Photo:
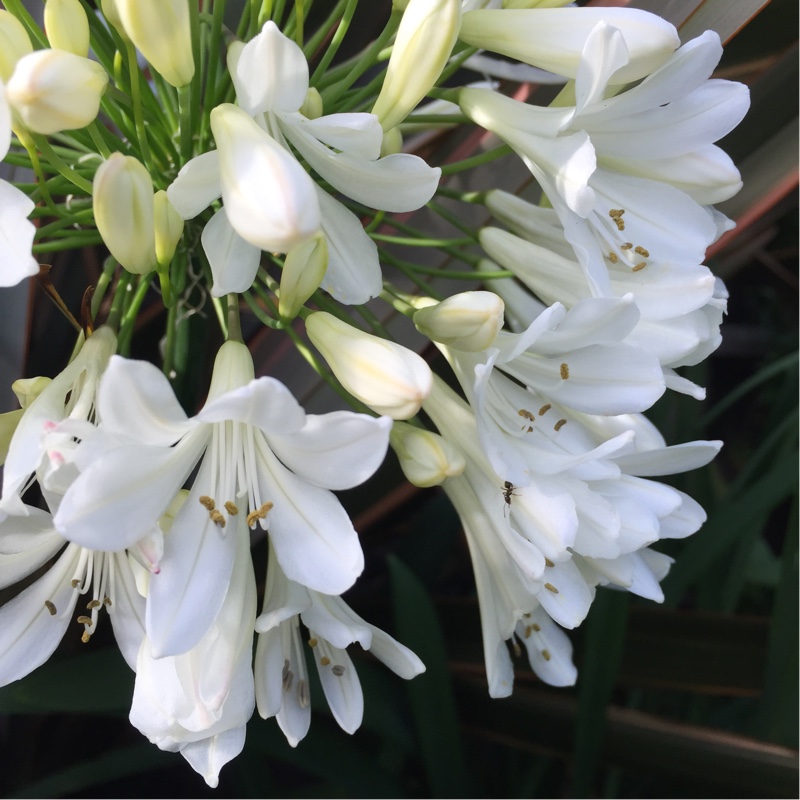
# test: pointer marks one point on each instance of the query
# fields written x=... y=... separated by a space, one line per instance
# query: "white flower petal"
x=396 y=656
x=196 y=186
x=128 y=612
x=357 y=134
x=338 y=450
x=354 y=272
x=29 y=632
x=398 y=182
x=271 y=72
x=569 y=603
x=669 y=460
x=16 y=236
x=210 y=755
x=549 y=649
x=342 y=691
x=233 y=261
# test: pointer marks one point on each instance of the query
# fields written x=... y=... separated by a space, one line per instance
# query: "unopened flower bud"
x=160 y=29
x=426 y=458
x=109 y=9
x=67 y=26
x=14 y=43
x=468 y=321
x=424 y=41
x=168 y=225
x=53 y=90
x=312 y=107
x=26 y=390
x=388 y=377
x=303 y=271
x=270 y=200
x=124 y=212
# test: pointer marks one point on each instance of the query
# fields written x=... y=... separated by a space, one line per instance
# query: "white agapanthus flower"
x=542 y=548
x=681 y=304
x=33 y=623
x=198 y=703
x=270 y=73
x=575 y=358
x=281 y=672
x=612 y=213
x=251 y=438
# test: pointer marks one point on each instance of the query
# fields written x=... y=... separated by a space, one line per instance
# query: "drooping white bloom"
x=271 y=78
x=281 y=673
x=198 y=703
x=250 y=437
x=466 y=321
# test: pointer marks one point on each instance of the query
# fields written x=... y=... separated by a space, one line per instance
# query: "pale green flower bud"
x=468 y=321
x=67 y=26
x=386 y=376
x=426 y=458
x=14 y=43
x=124 y=212
x=168 y=227
x=160 y=29
x=53 y=90
x=424 y=41
x=26 y=390
x=392 y=142
x=109 y=9
x=303 y=271
x=312 y=106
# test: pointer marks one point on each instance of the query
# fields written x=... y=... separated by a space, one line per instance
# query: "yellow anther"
x=613 y=258
x=620 y=224
x=217 y=518
x=312 y=642
x=551 y=588
x=530 y=428
x=548 y=563
x=559 y=425
x=84 y=620
x=626 y=246
x=640 y=265
x=517 y=648
x=260 y=513
x=287 y=680
x=92 y=604
x=324 y=661
x=85 y=636
x=207 y=502
x=641 y=251
x=51 y=607
x=546 y=655
x=337 y=670
x=523 y=412
x=528 y=631
x=616 y=213
x=231 y=508
x=107 y=601
x=564 y=372
x=536 y=626
x=544 y=409
x=75 y=583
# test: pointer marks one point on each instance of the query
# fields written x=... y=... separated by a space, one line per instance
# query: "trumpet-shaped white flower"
x=576 y=358
x=34 y=622
x=198 y=703
x=251 y=437
x=271 y=78
x=281 y=672
x=680 y=303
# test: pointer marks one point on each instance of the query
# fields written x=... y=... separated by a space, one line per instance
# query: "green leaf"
x=430 y=694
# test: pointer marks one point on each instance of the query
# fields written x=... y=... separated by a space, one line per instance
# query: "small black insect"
x=508 y=492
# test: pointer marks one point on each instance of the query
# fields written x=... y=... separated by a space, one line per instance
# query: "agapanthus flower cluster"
x=253 y=173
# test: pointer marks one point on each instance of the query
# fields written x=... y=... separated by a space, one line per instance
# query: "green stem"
x=103 y=282
x=98 y=140
x=185 y=102
x=131 y=312
x=477 y=161
x=136 y=97
x=340 y=16
x=60 y=166
x=30 y=147
x=234 y=319
x=118 y=303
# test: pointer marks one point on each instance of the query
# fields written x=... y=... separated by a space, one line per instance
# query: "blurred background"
x=697 y=697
